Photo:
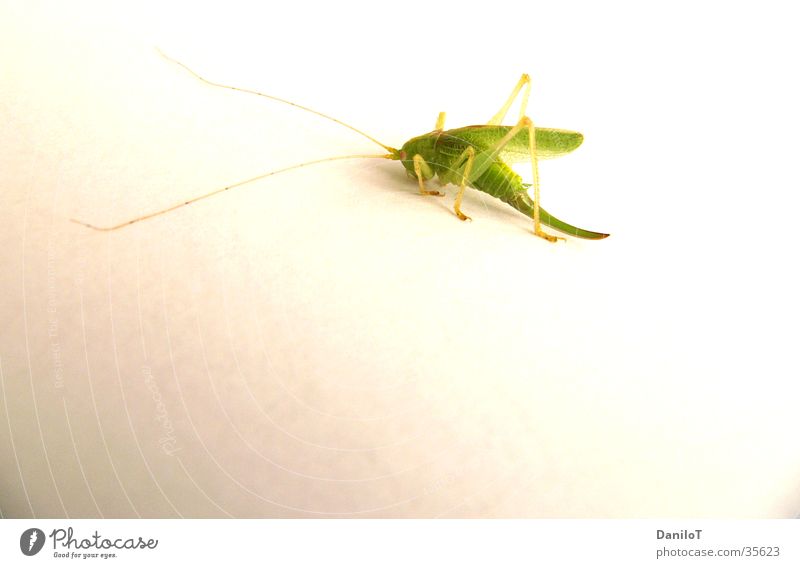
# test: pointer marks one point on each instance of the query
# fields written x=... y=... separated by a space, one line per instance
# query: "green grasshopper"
x=471 y=156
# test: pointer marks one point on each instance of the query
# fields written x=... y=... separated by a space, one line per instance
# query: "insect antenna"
x=278 y=99
x=226 y=188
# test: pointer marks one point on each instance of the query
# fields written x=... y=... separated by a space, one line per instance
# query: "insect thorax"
x=424 y=146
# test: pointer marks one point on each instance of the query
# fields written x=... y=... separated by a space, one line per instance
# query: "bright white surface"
x=329 y=343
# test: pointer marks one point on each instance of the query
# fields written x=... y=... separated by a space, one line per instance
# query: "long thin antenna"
x=271 y=97
x=226 y=188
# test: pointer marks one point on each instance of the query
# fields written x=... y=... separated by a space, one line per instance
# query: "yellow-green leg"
x=423 y=171
x=469 y=156
x=524 y=81
x=440 y=121
x=525 y=122
x=537 y=224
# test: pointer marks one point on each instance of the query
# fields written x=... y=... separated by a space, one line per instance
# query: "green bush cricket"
x=472 y=156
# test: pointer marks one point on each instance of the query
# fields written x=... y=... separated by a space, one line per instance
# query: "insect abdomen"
x=501 y=182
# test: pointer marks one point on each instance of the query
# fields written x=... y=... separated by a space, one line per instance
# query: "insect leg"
x=469 y=155
x=440 y=120
x=423 y=170
x=537 y=224
x=524 y=81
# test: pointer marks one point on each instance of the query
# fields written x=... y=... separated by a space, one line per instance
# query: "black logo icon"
x=31 y=541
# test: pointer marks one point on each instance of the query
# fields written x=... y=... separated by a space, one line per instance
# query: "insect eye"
x=402 y=155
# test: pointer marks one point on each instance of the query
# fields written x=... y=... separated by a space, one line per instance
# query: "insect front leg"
x=524 y=81
x=423 y=171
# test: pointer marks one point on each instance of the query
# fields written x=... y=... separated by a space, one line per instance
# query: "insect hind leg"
x=524 y=81
x=537 y=223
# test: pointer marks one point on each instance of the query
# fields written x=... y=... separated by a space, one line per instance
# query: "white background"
x=329 y=343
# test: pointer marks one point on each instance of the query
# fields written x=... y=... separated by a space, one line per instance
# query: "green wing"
x=550 y=142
